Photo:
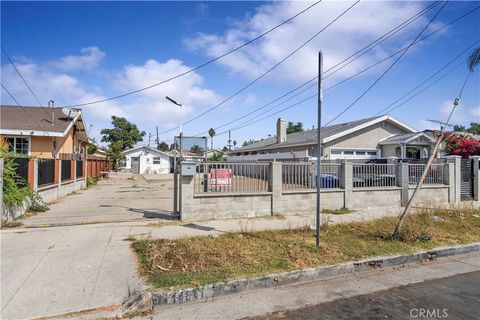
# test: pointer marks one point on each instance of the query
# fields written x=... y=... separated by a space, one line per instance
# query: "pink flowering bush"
x=462 y=145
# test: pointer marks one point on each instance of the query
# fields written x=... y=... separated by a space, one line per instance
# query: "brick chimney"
x=281 y=130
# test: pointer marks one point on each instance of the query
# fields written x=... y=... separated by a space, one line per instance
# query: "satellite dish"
x=70 y=113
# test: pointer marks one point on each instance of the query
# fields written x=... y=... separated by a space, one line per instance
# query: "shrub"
x=36 y=203
x=464 y=145
x=15 y=190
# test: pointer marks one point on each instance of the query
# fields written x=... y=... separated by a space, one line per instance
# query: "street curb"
x=218 y=289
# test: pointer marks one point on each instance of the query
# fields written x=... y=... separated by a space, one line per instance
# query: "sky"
x=80 y=52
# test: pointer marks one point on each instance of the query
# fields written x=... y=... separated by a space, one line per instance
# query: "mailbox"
x=188 y=168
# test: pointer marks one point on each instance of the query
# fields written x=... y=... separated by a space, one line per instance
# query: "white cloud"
x=462 y=115
x=147 y=108
x=90 y=58
x=361 y=25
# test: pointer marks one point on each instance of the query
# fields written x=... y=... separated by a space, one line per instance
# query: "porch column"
x=404 y=151
x=456 y=160
x=476 y=177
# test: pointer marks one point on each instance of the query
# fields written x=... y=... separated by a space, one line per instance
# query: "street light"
x=181 y=112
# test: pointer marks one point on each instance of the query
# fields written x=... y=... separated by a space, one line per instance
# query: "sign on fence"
x=221 y=177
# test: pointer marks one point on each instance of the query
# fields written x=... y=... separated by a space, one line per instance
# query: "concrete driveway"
x=136 y=199
x=75 y=256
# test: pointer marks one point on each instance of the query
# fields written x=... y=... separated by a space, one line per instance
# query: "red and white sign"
x=221 y=177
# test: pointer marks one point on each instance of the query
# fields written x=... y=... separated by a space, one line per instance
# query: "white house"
x=145 y=159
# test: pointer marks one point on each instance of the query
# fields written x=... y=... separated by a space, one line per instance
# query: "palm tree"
x=211 y=133
x=474 y=59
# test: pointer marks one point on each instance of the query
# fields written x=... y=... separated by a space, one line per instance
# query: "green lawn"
x=197 y=261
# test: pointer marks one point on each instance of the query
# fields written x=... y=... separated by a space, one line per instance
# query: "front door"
x=136 y=165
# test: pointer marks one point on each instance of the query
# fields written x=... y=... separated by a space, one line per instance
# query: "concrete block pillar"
x=402 y=181
x=275 y=186
x=456 y=160
x=449 y=179
x=1 y=187
x=476 y=177
x=33 y=174
x=392 y=160
x=346 y=183
x=185 y=196
x=73 y=169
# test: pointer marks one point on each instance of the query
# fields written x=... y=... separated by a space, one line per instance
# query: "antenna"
x=441 y=123
x=69 y=113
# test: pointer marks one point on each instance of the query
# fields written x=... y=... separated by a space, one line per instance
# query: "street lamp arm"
x=173 y=101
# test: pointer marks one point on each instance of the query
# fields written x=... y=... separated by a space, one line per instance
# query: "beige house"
x=371 y=138
x=46 y=133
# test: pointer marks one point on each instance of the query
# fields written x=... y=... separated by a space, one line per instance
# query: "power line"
x=429 y=78
x=201 y=65
x=376 y=42
x=266 y=72
x=11 y=96
x=388 y=69
x=24 y=81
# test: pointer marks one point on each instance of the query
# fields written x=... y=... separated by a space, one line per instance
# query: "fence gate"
x=466 y=180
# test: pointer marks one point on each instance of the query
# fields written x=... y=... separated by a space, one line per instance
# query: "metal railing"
x=46 y=172
x=231 y=177
x=66 y=169
x=298 y=176
x=434 y=176
x=373 y=175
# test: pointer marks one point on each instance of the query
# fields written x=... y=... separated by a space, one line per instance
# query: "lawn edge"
x=148 y=298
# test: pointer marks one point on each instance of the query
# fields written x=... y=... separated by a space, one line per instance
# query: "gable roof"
x=406 y=138
x=147 y=148
x=35 y=121
x=328 y=133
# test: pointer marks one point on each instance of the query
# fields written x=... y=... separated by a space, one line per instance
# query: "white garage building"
x=145 y=159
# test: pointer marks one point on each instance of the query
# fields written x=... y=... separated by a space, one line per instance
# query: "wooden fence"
x=96 y=165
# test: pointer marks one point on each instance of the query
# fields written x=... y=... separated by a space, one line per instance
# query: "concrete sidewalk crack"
x=33 y=270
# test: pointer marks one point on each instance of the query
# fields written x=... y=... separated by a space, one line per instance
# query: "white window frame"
x=15 y=143
x=159 y=160
x=358 y=153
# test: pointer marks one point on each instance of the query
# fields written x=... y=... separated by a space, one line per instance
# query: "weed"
x=12 y=224
x=337 y=211
x=130 y=238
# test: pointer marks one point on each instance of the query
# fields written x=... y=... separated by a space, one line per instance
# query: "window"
x=18 y=145
x=360 y=153
x=156 y=160
x=348 y=152
x=336 y=152
x=372 y=153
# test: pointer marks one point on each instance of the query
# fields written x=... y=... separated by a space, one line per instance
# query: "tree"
x=474 y=59
x=196 y=149
x=115 y=154
x=294 y=127
x=234 y=144
x=464 y=145
x=225 y=149
x=474 y=128
x=211 y=133
x=92 y=148
x=216 y=156
x=246 y=143
x=163 y=146
x=123 y=132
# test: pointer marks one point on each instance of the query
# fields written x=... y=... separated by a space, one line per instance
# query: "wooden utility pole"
x=158 y=140
x=440 y=137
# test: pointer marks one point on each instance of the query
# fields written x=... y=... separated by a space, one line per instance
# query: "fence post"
x=73 y=170
x=449 y=179
x=186 y=208
x=456 y=160
x=402 y=181
x=275 y=187
x=346 y=183
x=33 y=174
x=476 y=179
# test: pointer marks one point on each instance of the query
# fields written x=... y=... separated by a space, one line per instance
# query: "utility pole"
x=158 y=140
x=319 y=146
x=229 y=140
x=149 y=137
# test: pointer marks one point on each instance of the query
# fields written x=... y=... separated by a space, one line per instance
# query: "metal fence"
x=231 y=177
x=78 y=168
x=46 y=172
x=66 y=169
x=298 y=176
x=21 y=168
x=434 y=176
x=373 y=175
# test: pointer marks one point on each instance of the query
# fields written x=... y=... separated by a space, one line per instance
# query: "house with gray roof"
x=370 y=138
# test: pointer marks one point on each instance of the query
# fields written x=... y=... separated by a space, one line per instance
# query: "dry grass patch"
x=201 y=260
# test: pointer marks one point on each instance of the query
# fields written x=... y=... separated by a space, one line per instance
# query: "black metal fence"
x=66 y=170
x=46 y=172
x=79 y=168
x=21 y=167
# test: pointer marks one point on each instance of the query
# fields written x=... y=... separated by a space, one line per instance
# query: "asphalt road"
x=455 y=297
